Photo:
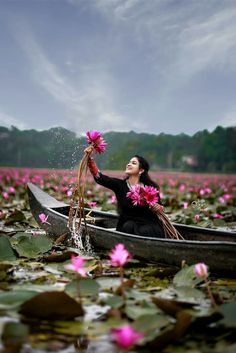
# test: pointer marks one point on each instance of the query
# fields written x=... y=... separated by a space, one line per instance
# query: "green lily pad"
x=219 y=223
x=6 y=251
x=186 y=277
x=103 y=327
x=150 y=322
x=114 y=301
x=228 y=310
x=30 y=246
x=135 y=311
x=188 y=294
x=108 y=283
x=85 y=287
x=15 y=216
x=14 y=333
x=70 y=328
x=13 y=299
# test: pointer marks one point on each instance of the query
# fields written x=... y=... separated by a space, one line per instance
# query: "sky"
x=154 y=66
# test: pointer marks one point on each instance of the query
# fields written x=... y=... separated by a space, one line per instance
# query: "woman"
x=140 y=220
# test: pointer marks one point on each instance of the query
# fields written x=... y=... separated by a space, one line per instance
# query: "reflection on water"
x=42 y=336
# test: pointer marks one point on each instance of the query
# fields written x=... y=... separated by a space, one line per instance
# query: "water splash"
x=80 y=237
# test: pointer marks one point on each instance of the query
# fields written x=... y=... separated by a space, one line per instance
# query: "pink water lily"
x=43 y=218
x=141 y=195
x=112 y=200
x=101 y=146
x=92 y=203
x=221 y=199
x=77 y=265
x=150 y=195
x=119 y=256
x=201 y=270
x=227 y=196
x=126 y=336
x=5 y=195
x=11 y=190
x=69 y=192
x=217 y=215
x=135 y=195
x=95 y=138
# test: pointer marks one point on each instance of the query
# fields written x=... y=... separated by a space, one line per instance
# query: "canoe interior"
x=109 y=221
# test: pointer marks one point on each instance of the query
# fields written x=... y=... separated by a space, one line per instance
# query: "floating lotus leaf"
x=6 y=251
x=14 y=333
x=12 y=299
x=188 y=294
x=15 y=216
x=114 y=301
x=85 y=286
x=135 y=311
x=52 y=306
x=150 y=323
x=186 y=277
x=228 y=310
x=30 y=246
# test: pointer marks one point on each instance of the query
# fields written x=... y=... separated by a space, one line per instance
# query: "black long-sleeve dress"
x=138 y=220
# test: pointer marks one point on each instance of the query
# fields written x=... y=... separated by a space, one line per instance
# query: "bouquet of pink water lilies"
x=148 y=195
x=95 y=143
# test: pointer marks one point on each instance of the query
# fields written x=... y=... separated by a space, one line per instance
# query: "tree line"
x=60 y=148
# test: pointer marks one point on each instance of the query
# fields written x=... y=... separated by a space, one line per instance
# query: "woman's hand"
x=89 y=150
x=157 y=208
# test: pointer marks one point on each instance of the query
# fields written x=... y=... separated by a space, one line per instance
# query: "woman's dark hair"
x=144 y=177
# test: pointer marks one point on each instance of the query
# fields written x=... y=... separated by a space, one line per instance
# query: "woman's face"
x=133 y=167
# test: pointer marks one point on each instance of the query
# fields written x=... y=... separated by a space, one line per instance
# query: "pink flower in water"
x=92 y=203
x=77 y=265
x=126 y=336
x=95 y=138
x=43 y=218
x=202 y=192
x=5 y=195
x=217 y=215
x=197 y=217
x=119 y=256
x=227 y=196
x=69 y=193
x=201 y=270
x=221 y=199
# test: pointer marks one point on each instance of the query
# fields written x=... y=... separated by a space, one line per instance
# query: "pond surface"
x=171 y=307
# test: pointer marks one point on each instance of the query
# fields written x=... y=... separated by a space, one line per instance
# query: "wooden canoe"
x=216 y=248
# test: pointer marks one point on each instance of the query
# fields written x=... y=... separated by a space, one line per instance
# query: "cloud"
x=89 y=102
x=8 y=121
x=135 y=63
x=184 y=38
